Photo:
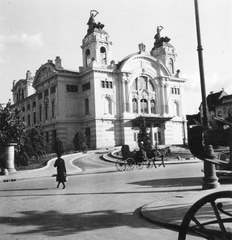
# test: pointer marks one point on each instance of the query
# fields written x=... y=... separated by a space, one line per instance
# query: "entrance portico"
x=156 y=126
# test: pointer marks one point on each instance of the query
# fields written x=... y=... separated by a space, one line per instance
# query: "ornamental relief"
x=44 y=74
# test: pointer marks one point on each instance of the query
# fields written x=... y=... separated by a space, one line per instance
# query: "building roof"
x=213 y=98
x=224 y=100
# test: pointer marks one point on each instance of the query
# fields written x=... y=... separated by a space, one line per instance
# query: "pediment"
x=45 y=72
x=145 y=62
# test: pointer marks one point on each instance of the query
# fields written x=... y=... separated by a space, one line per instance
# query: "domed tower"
x=96 y=47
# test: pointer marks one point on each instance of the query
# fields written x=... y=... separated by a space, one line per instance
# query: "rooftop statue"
x=92 y=23
x=159 y=40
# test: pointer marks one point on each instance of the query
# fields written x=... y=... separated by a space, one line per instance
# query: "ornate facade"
x=106 y=100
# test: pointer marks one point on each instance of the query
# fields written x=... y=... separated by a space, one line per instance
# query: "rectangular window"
x=106 y=84
x=52 y=89
x=135 y=137
x=86 y=106
x=224 y=110
x=46 y=110
x=219 y=113
x=46 y=93
x=72 y=88
x=40 y=113
x=47 y=136
x=53 y=109
x=40 y=95
x=34 y=117
x=28 y=120
x=87 y=134
x=86 y=86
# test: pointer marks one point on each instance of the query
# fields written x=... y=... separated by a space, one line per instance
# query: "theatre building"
x=107 y=100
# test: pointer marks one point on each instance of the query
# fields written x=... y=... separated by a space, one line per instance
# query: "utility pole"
x=210 y=179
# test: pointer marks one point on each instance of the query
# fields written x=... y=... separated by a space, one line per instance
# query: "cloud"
x=23 y=38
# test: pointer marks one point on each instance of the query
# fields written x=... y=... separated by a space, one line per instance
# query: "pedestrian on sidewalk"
x=61 y=171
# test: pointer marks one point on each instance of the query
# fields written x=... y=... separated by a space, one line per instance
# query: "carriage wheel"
x=130 y=164
x=139 y=165
x=209 y=218
x=120 y=165
x=149 y=164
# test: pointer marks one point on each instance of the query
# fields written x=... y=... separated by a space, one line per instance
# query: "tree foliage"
x=34 y=143
x=12 y=128
x=80 y=141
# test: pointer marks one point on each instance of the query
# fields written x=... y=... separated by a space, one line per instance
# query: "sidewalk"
x=47 y=171
x=170 y=212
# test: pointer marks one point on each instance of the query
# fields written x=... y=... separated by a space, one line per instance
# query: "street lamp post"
x=210 y=179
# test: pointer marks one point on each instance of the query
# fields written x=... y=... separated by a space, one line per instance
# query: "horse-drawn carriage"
x=141 y=158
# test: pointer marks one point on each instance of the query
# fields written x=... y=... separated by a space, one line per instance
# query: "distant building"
x=219 y=105
x=106 y=99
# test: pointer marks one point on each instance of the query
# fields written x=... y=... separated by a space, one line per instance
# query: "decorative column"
x=124 y=92
x=152 y=134
x=162 y=98
x=9 y=156
x=166 y=98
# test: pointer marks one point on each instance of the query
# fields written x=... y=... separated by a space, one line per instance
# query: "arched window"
x=87 y=57
x=142 y=83
x=171 y=68
x=28 y=106
x=144 y=105
x=103 y=55
x=34 y=104
x=176 y=109
x=135 y=105
x=153 y=107
x=22 y=94
x=108 y=105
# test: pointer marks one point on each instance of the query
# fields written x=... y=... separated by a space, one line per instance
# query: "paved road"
x=99 y=204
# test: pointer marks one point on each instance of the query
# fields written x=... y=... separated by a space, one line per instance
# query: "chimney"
x=28 y=74
x=58 y=62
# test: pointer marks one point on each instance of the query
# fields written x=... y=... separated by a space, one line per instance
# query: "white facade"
x=105 y=99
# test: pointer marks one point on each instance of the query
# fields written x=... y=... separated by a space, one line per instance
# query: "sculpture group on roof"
x=159 y=40
x=92 y=23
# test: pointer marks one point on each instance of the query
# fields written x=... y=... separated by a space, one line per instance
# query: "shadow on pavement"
x=55 y=223
x=171 y=182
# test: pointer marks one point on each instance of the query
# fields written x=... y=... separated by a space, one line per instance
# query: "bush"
x=80 y=141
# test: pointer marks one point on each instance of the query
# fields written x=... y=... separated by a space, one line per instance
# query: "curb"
x=108 y=158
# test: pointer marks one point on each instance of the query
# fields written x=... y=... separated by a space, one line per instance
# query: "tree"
x=80 y=141
x=34 y=144
x=144 y=142
x=12 y=128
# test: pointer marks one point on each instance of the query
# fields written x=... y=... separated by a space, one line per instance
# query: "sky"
x=35 y=31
